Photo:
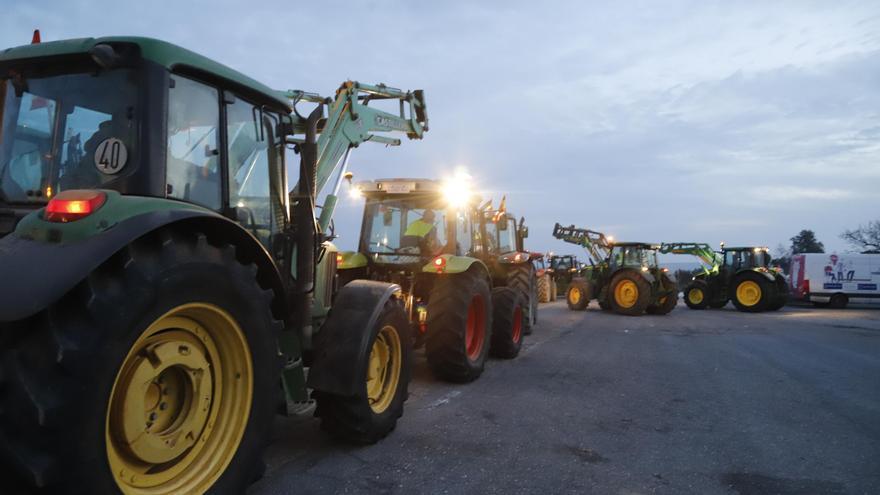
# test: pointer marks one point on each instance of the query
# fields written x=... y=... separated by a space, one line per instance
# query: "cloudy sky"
x=653 y=121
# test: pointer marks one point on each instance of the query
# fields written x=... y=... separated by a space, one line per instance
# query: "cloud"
x=657 y=119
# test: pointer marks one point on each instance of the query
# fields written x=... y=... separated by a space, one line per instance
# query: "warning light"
x=36 y=38
x=338 y=258
x=439 y=263
x=73 y=205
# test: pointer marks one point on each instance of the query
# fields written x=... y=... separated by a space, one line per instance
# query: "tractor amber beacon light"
x=69 y=206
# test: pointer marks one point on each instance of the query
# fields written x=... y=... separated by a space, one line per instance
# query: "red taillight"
x=439 y=263
x=36 y=38
x=806 y=287
x=73 y=205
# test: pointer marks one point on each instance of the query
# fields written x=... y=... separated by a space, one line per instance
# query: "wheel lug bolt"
x=153 y=416
x=162 y=406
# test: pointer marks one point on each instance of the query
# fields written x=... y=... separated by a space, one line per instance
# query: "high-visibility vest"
x=419 y=228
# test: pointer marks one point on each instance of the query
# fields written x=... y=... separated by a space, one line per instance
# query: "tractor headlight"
x=457 y=189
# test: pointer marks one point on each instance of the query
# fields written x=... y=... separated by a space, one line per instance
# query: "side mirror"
x=524 y=232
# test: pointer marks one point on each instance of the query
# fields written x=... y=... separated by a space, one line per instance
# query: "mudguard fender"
x=37 y=271
x=342 y=345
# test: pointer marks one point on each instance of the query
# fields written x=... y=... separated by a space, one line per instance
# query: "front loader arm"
x=351 y=121
x=702 y=251
x=595 y=243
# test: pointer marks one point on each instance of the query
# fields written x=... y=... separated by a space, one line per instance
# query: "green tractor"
x=624 y=276
x=168 y=286
x=469 y=286
x=563 y=268
x=739 y=274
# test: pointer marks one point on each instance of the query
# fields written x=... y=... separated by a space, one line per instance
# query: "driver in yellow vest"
x=424 y=230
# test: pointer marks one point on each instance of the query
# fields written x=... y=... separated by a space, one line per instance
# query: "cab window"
x=254 y=169
x=193 y=158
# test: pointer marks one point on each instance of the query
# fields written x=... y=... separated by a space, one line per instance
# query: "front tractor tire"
x=578 y=294
x=459 y=326
x=630 y=293
x=158 y=373
x=665 y=304
x=522 y=278
x=371 y=416
x=752 y=292
x=696 y=295
x=508 y=322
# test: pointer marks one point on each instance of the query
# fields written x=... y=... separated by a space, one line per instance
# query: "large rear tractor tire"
x=696 y=295
x=781 y=297
x=508 y=322
x=522 y=278
x=158 y=374
x=578 y=294
x=630 y=293
x=544 y=291
x=752 y=292
x=372 y=416
x=459 y=326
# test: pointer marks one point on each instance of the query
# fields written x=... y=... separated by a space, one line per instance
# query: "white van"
x=835 y=279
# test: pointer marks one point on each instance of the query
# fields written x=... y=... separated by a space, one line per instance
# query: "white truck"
x=836 y=280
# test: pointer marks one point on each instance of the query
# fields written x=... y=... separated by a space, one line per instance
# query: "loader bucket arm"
x=595 y=243
x=351 y=121
x=711 y=259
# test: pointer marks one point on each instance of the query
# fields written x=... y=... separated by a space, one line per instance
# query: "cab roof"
x=643 y=245
x=166 y=54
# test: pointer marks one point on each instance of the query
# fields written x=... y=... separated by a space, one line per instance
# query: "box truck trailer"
x=836 y=280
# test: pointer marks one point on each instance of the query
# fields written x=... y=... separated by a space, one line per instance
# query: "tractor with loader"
x=469 y=286
x=167 y=287
x=739 y=274
x=624 y=277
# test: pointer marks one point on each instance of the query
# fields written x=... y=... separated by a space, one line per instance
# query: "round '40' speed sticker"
x=110 y=156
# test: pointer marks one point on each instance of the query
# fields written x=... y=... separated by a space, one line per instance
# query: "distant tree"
x=782 y=258
x=806 y=242
x=866 y=237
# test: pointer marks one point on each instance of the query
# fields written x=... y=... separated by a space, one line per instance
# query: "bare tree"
x=782 y=257
x=866 y=237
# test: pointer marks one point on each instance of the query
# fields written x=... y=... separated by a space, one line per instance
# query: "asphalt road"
x=694 y=402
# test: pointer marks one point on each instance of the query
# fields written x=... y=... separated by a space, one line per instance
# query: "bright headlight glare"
x=457 y=189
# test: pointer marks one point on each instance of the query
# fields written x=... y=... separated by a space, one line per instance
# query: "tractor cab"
x=638 y=255
x=746 y=258
x=564 y=263
x=140 y=117
x=410 y=221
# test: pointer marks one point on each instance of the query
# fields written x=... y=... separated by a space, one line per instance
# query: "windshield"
x=398 y=231
x=66 y=131
x=633 y=257
x=500 y=233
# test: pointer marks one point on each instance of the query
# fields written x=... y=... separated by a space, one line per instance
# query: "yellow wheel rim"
x=180 y=403
x=383 y=372
x=574 y=295
x=748 y=293
x=695 y=296
x=626 y=293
